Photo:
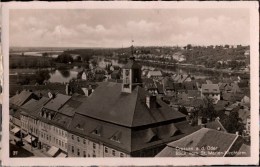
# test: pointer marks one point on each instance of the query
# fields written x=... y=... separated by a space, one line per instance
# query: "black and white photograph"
x=131 y=80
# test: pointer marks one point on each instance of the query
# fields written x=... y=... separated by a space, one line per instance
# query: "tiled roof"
x=216 y=125
x=154 y=73
x=33 y=106
x=210 y=88
x=129 y=139
x=69 y=107
x=108 y=103
x=57 y=102
x=61 y=120
x=221 y=104
x=21 y=98
x=202 y=138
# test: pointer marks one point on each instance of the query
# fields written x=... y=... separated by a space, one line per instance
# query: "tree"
x=207 y=112
x=64 y=58
x=183 y=110
x=233 y=123
x=41 y=76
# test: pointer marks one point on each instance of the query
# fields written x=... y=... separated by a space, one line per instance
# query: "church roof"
x=108 y=103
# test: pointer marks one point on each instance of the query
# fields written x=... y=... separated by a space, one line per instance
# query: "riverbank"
x=169 y=65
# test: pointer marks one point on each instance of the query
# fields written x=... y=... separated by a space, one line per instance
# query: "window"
x=72 y=137
x=94 y=155
x=47 y=137
x=78 y=153
x=106 y=150
x=121 y=154
x=56 y=141
x=62 y=143
x=94 y=145
x=72 y=149
x=78 y=139
x=113 y=152
x=84 y=154
x=59 y=143
x=84 y=141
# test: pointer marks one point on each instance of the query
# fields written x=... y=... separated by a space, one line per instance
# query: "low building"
x=154 y=74
x=210 y=91
x=29 y=120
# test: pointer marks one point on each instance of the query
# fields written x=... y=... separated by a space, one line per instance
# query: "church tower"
x=131 y=75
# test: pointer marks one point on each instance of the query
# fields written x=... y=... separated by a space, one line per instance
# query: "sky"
x=118 y=27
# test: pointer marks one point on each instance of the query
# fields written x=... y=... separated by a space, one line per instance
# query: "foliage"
x=208 y=111
x=64 y=58
x=233 y=123
x=41 y=76
x=183 y=110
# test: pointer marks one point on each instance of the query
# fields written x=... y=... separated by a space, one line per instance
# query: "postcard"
x=130 y=83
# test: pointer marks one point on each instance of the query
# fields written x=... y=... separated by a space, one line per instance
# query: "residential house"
x=150 y=86
x=47 y=131
x=180 y=78
x=210 y=91
x=15 y=103
x=29 y=120
x=154 y=74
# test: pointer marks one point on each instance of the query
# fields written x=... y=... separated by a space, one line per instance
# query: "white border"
x=254 y=67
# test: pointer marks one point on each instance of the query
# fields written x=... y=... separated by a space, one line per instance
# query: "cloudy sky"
x=116 y=27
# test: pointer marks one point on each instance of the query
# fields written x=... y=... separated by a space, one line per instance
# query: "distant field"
x=18 y=61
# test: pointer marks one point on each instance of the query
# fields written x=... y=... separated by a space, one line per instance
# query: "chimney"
x=199 y=120
x=49 y=116
x=67 y=89
x=151 y=101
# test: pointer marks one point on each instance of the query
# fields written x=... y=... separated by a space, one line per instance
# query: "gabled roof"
x=220 y=105
x=56 y=103
x=61 y=120
x=33 y=106
x=108 y=103
x=128 y=139
x=194 y=93
x=210 y=88
x=21 y=98
x=216 y=125
x=154 y=73
x=202 y=138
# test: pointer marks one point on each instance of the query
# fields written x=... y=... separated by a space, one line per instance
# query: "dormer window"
x=97 y=131
x=116 y=137
x=79 y=127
